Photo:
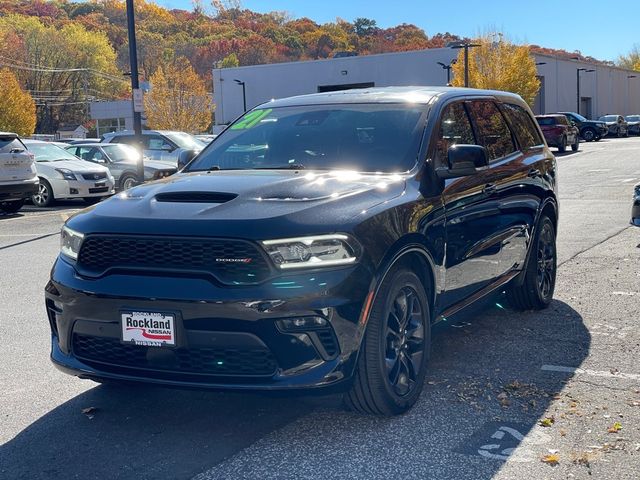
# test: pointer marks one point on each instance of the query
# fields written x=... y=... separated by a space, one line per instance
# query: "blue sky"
x=595 y=28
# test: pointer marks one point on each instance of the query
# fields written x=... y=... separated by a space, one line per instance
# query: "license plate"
x=102 y=184
x=150 y=329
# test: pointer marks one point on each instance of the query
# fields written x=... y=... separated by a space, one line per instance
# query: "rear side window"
x=10 y=143
x=455 y=128
x=491 y=129
x=523 y=125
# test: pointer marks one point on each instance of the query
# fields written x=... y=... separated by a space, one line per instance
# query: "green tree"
x=17 y=108
x=631 y=60
x=499 y=65
x=178 y=99
x=230 y=61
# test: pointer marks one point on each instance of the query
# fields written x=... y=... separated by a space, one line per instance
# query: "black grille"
x=328 y=341
x=99 y=190
x=94 y=176
x=194 y=360
x=234 y=262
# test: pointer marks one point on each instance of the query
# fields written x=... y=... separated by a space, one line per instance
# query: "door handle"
x=490 y=189
x=533 y=173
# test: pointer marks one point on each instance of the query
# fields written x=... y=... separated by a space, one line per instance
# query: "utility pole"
x=135 y=87
x=466 y=46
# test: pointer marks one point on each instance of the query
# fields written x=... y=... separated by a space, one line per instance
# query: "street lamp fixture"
x=244 y=93
x=466 y=46
x=578 y=70
x=448 y=68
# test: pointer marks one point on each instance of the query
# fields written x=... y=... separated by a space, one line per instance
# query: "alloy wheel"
x=405 y=341
x=546 y=261
x=41 y=198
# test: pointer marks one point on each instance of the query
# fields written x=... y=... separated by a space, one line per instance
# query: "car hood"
x=76 y=166
x=250 y=204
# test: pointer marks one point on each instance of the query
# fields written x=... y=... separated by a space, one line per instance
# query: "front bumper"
x=226 y=337
x=83 y=188
x=18 y=191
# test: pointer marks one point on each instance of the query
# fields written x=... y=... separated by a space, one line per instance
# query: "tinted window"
x=127 y=139
x=156 y=142
x=492 y=131
x=522 y=125
x=118 y=153
x=455 y=128
x=9 y=143
x=361 y=137
x=546 y=121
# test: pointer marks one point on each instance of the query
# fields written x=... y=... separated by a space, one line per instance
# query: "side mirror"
x=185 y=157
x=464 y=160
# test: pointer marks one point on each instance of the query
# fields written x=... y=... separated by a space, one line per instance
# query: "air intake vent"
x=195 y=197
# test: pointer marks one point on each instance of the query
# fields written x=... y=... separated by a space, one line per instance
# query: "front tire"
x=536 y=291
x=127 y=181
x=575 y=146
x=395 y=349
x=44 y=197
x=589 y=134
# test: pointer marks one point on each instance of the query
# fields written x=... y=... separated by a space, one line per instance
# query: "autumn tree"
x=17 y=108
x=631 y=61
x=178 y=99
x=498 y=64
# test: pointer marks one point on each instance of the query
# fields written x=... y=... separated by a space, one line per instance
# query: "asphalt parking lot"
x=505 y=390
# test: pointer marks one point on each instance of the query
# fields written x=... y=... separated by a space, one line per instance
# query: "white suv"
x=18 y=176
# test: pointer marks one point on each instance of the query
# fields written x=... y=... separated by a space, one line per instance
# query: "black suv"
x=590 y=130
x=312 y=245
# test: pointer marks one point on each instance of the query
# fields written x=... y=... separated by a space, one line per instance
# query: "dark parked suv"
x=312 y=246
x=590 y=130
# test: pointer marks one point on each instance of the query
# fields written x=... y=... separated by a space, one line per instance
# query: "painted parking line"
x=593 y=373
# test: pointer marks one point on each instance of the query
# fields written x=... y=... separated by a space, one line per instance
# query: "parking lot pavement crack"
x=604 y=240
x=40 y=237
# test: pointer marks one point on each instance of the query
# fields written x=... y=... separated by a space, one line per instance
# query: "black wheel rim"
x=588 y=135
x=546 y=261
x=404 y=341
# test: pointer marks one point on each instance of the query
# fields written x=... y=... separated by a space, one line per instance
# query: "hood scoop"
x=195 y=197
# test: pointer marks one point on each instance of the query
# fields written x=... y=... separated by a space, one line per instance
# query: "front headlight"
x=66 y=173
x=70 y=242
x=312 y=252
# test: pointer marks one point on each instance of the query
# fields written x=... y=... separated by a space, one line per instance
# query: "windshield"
x=609 y=118
x=185 y=140
x=632 y=118
x=119 y=152
x=360 y=137
x=47 y=152
x=578 y=117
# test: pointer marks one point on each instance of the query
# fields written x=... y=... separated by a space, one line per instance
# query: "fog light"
x=73 y=191
x=301 y=323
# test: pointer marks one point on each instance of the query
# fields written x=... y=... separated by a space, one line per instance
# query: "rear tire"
x=395 y=349
x=44 y=197
x=576 y=146
x=536 y=291
x=563 y=145
x=12 y=206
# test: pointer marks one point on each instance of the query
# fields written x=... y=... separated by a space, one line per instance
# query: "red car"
x=559 y=132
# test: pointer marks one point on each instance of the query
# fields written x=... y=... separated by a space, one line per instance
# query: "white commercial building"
x=603 y=89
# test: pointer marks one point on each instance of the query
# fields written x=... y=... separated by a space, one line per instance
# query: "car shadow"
x=485 y=377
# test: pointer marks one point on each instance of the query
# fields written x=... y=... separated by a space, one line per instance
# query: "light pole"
x=466 y=46
x=244 y=94
x=586 y=70
x=629 y=90
x=135 y=86
x=448 y=68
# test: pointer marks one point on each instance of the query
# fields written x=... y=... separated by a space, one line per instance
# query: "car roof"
x=131 y=132
x=551 y=115
x=420 y=95
x=88 y=144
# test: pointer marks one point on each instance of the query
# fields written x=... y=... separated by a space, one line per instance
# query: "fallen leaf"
x=563 y=433
x=547 y=422
x=552 y=459
x=615 y=428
